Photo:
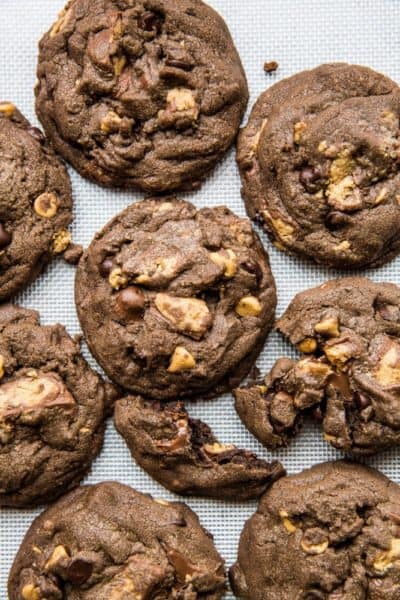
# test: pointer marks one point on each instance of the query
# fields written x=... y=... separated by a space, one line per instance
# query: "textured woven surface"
x=299 y=34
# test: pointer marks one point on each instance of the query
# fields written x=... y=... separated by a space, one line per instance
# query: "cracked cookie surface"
x=329 y=533
x=319 y=161
x=175 y=301
x=52 y=410
x=184 y=455
x=349 y=380
x=35 y=202
x=136 y=93
x=110 y=542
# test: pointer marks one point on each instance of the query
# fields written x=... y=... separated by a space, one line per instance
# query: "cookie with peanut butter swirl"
x=52 y=410
x=110 y=542
x=141 y=93
x=319 y=161
x=349 y=378
x=175 y=301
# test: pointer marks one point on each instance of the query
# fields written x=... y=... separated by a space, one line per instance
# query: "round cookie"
x=136 y=93
x=349 y=381
x=52 y=410
x=35 y=202
x=184 y=455
x=175 y=301
x=108 y=542
x=319 y=165
x=329 y=533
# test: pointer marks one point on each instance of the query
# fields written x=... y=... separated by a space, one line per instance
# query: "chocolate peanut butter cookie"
x=146 y=93
x=319 y=161
x=175 y=301
x=350 y=380
x=109 y=542
x=329 y=533
x=52 y=409
x=35 y=202
x=184 y=455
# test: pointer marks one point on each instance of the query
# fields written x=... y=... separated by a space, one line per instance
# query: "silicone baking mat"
x=299 y=34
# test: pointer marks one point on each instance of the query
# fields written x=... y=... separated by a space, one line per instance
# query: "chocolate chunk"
x=79 y=571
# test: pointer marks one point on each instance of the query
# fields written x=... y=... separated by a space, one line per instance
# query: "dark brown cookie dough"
x=52 y=410
x=146 y=93
x=109 y=542
x=329 y=533
x=175 y=301
x=35 y=202
x=350 y=328
x=184 y=455
x=319 y=161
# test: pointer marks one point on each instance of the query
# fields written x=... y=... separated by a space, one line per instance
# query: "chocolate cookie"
x=52 y=409
x=175 y=301
x=143 y=93
x=184 y=455
x=351 y=379
x=35 y=202
x=329 y=533
x=109 y=542
x=319 y=161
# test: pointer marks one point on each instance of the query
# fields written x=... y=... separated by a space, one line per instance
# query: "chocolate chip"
x=388 y=312
x=253 y=268
x=129 y=303
x=5 y=237
x=150 y=21
x=362 y=401
x=37 y=134
x=308 y=177
x=106 y=267
x=317 y=415
x=336 y=219
x=79 y=571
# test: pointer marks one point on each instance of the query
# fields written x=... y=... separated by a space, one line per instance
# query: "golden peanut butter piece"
x=388 y=369
x=117 y=278
x=286 y=522
x=226 y=259
x=216 y=448
x=314 y=549
x=338 y=354
x=33 y=391
x=381 y=196
x=284 y=230
x=181 y=99
x=110 y=122
x=61 y=241
x=31 y=592
x=2 y=365
x=162 y=268
x=298 y=131
x=119 y=63
x=46 y=205
x=248 y=306
x=59 y=554
x=343 y=246
x=385 y=560
x=307 y=346
x=181 y=360
x=189 y=315
x=328 y=327
x=7 y=109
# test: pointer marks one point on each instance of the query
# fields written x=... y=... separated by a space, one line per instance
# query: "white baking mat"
x=299 y=34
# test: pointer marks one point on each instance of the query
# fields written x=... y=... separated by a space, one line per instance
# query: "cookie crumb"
x=271 y=66
x=73 y=254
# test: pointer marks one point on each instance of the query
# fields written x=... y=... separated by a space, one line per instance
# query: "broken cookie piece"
x=350 y=379
x=110 y=542
x=183 y=454
x=52 y=410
